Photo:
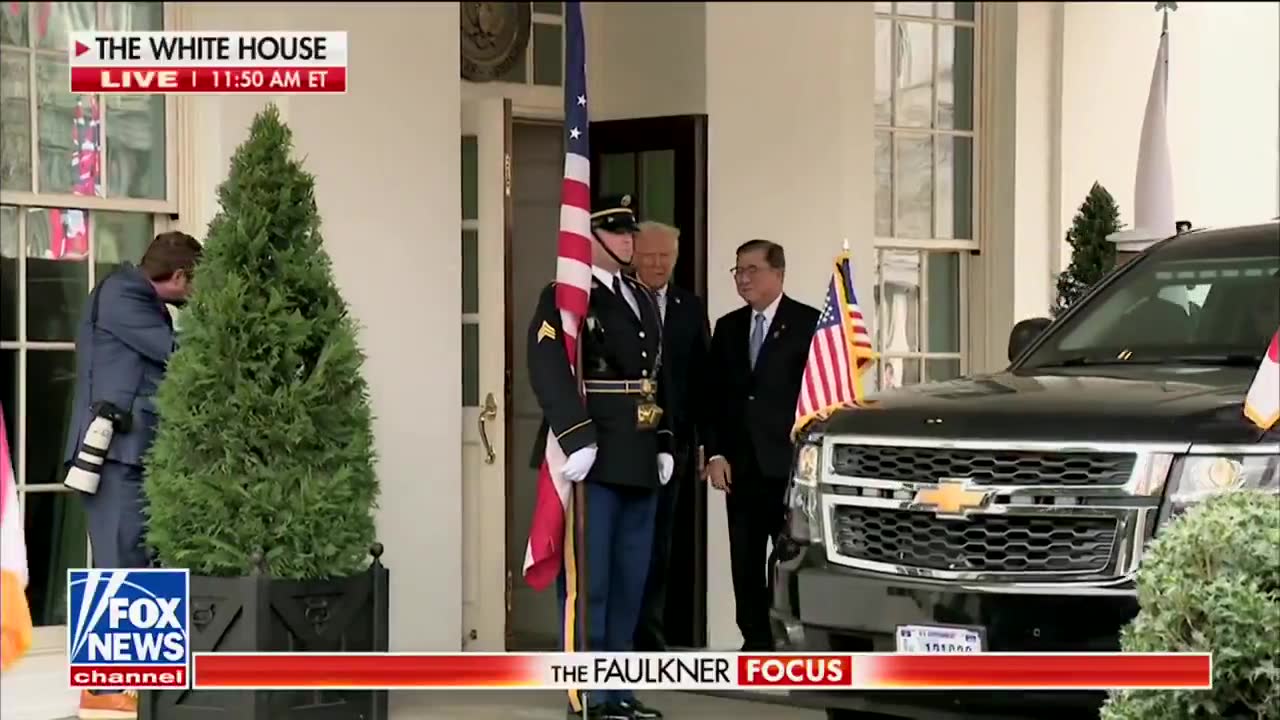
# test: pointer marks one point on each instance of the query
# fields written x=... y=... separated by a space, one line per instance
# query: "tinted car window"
x=1171 y=306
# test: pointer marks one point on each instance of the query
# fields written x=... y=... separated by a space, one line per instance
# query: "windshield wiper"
x=1227 y=360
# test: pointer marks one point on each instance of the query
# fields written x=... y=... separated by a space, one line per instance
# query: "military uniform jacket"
x=614 y=344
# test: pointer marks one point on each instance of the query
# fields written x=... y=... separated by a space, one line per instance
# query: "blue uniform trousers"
x=619 y=542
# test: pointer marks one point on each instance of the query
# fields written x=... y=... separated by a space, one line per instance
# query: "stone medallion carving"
x=494 y=38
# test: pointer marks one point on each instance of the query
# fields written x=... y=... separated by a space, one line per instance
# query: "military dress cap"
x=614 y=213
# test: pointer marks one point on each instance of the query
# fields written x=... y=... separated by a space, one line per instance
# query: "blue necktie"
x=757 y=338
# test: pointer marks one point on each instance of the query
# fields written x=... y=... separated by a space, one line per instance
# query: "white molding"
x=84 y=202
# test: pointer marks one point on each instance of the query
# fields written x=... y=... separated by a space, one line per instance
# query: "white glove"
x=577 y=465
x=666 y=466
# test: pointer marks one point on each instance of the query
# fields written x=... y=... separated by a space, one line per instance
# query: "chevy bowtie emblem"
x=953 y=497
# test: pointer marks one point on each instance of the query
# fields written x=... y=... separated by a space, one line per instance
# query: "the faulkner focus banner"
x=703 y=671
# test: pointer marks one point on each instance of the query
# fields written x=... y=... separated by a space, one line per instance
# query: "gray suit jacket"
x=121 y=359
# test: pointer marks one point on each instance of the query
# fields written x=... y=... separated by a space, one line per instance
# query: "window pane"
x=9 y=274
x=470 y=271
x=70 y=133
x=898 y=314
x=884 y=71
x=120 y=237
x=470 y=365
x=51 y=376
x=56 y=541
x=550 y=8
x=898 y=372
x=953 y=190
x=470 y=179
x=13 y=24
x=136 y=16
x=924 y=9
x=955 y=77
x=547 y=63
x=914 y=82
x=884 y=184
x=941 y=369
x=617 y=174
x=913 y=183
x=135 y=127
x=943 y=271
x=658 y=180
x=57 y=274
x=9 y=401
x=15 y=122
x=956 y=10
x=55 y=21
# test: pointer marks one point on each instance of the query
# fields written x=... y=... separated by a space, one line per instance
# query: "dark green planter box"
x=263 y=614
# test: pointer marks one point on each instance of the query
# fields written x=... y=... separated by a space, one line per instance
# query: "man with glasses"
x=757 y=358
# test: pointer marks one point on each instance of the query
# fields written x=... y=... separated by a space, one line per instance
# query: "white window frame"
x=163 y=213
x=926 y=247
x=36 y=198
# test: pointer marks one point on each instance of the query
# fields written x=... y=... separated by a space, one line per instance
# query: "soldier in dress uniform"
x=616 y=443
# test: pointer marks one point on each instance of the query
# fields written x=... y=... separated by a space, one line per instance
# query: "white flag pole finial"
x=845 y=244
x=1153 y=214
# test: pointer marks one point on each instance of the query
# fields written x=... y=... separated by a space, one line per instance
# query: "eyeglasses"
x=747 y=272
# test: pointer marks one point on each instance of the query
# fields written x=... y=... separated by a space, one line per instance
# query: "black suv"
x=1009 y=512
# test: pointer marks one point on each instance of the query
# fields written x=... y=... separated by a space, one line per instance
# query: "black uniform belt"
x=644 y=387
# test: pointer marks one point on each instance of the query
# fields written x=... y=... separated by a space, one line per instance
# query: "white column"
x=386 y=161
x=790 y=159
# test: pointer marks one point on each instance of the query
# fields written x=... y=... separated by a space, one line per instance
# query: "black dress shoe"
x=640 y=711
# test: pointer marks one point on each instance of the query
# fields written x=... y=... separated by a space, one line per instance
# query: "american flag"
x=839 y=352
x=544 y=553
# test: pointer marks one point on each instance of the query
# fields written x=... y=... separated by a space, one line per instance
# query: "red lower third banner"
x=702 y=671
x=309 y=80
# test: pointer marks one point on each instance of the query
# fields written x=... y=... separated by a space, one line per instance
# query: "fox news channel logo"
x=129 y=629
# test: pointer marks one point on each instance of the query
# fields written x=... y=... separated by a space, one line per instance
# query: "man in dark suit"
x=617 y=443
x=758 y=354
x=685 y=339
x=122 y=346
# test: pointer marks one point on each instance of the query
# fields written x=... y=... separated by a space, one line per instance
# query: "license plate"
x=933 y=639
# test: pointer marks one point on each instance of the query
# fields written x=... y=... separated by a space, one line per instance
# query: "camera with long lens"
x=86 y=469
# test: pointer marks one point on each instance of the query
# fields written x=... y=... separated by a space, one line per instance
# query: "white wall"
x=1224 y=96
x=646 y=59
x=790 y=155
x=386 y=159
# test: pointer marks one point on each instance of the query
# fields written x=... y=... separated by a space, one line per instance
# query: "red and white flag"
x=544 y=554
x=15 y=614
x=839 y=352
x=1262 y=403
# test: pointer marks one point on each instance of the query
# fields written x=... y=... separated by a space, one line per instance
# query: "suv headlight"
x=804 y=506
x=1196 y=478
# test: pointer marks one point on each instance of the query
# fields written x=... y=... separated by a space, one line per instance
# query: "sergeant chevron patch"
x=546 y=332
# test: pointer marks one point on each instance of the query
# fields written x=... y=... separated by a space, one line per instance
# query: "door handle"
x=487 y=413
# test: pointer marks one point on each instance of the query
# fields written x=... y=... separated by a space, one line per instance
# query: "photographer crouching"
x=122 y=346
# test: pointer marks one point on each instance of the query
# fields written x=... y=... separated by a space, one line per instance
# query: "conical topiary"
x=1092 y=255
x=265 y=441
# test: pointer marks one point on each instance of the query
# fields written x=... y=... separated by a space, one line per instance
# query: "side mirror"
x=1024 y=333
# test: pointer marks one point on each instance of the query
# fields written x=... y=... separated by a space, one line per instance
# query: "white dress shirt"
x=606 y=278
x=768 y=313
